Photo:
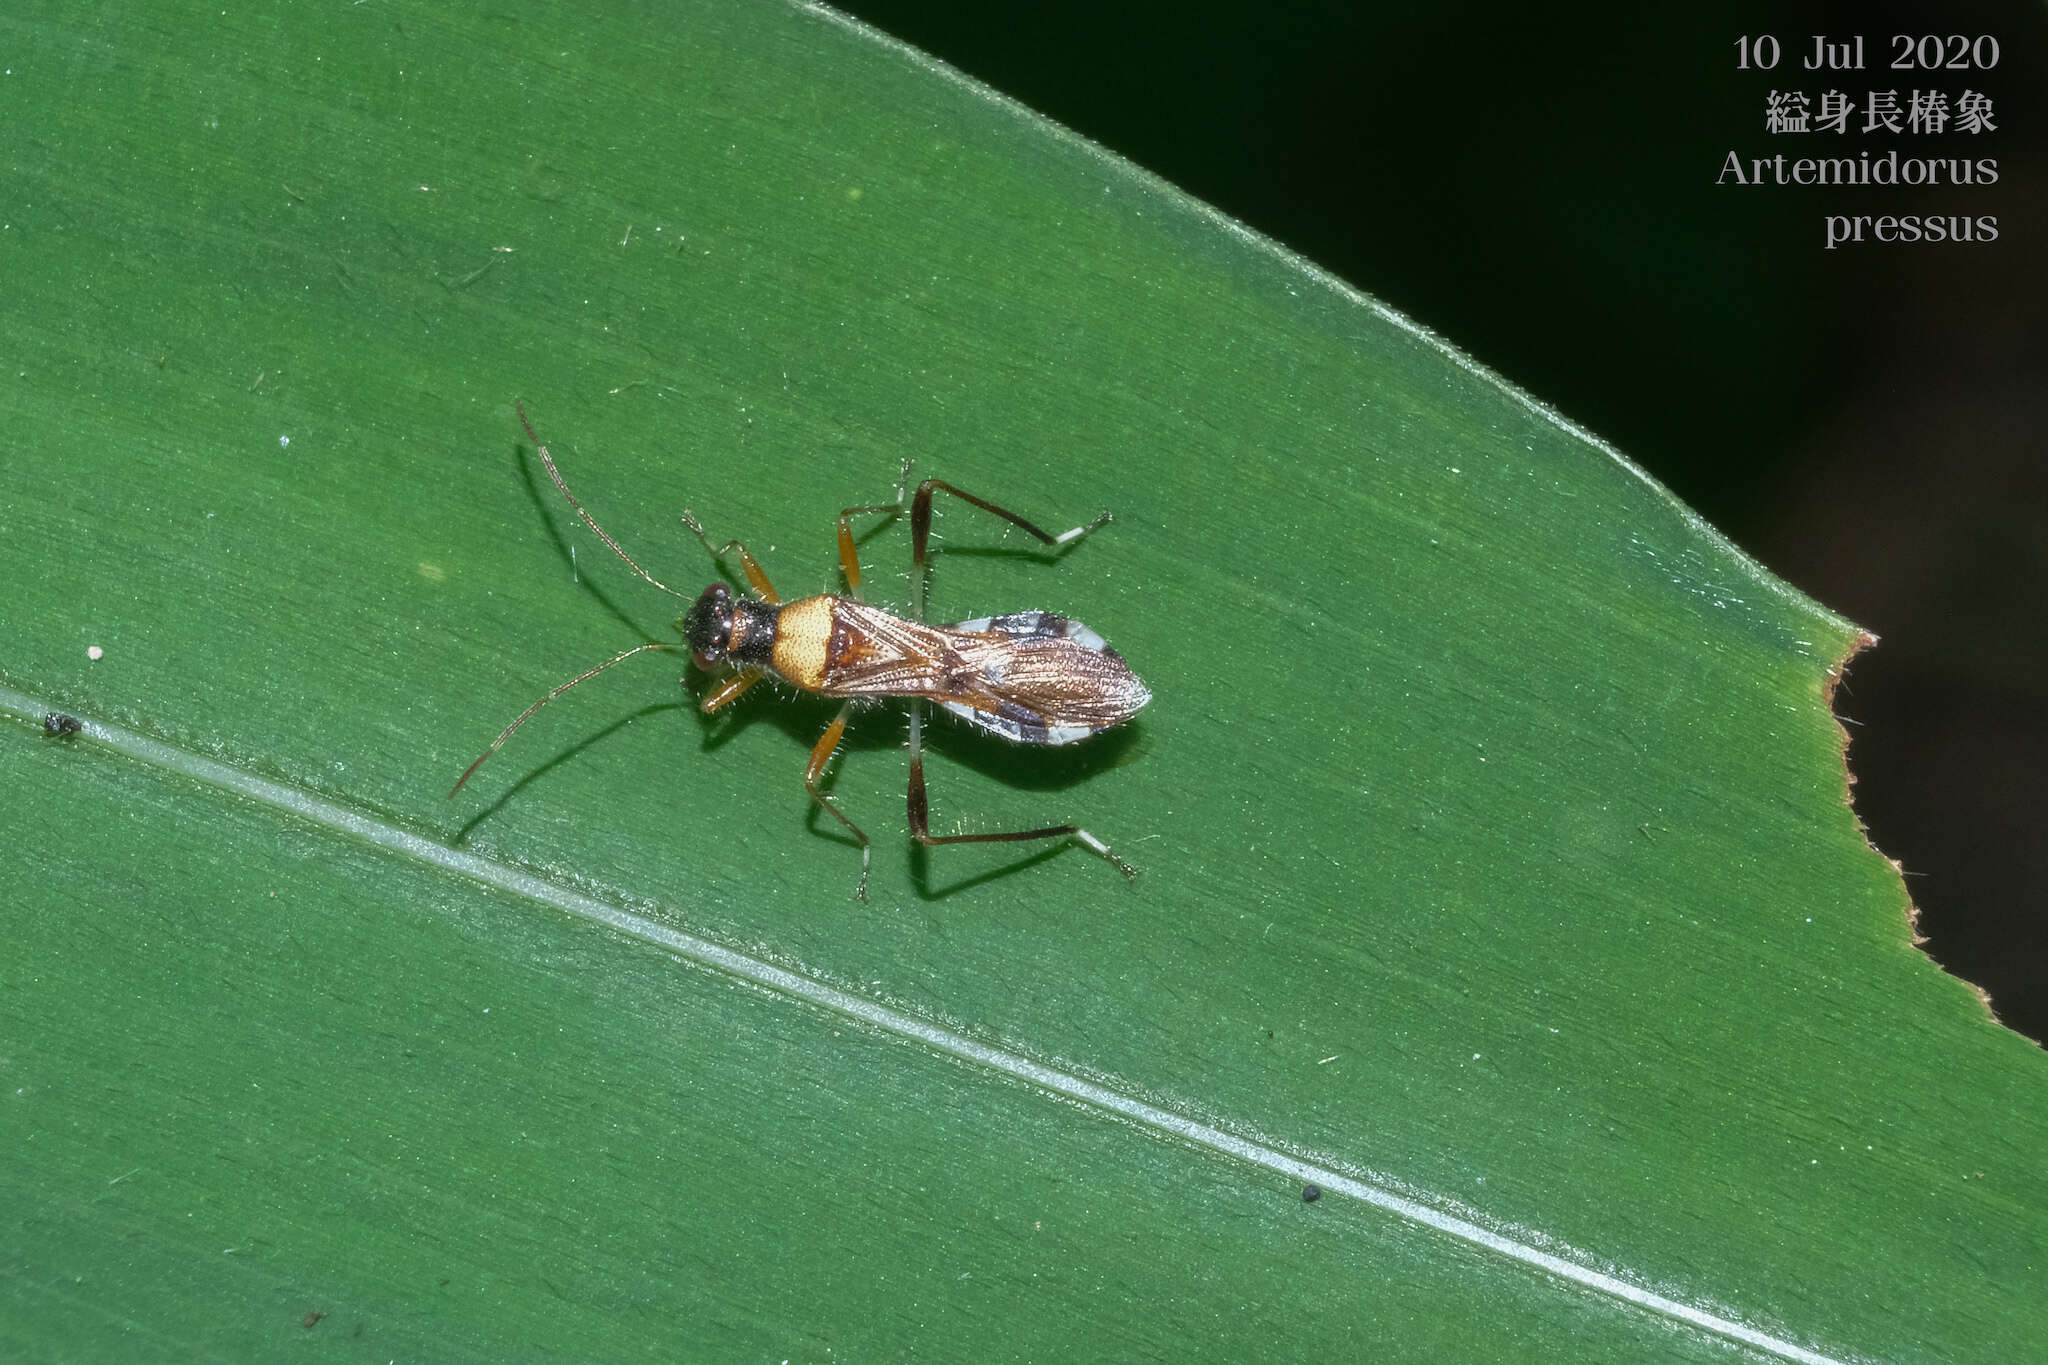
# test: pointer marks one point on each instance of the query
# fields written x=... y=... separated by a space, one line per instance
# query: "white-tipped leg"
x=1065 y=536
x=1095 y=845
x=921 y=816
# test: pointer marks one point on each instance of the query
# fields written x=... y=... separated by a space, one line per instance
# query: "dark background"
x=1870 y=422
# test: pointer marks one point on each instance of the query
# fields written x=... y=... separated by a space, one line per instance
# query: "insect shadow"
x=1022 y=767
x=589 y=741
x=1027 y=769
x=544 y=510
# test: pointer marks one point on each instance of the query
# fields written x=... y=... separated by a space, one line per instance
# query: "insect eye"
x=708 y=625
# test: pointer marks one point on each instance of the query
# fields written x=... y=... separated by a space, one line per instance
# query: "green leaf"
x=1498 y=871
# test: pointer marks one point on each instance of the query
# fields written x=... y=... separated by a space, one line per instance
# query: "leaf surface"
x=1492 y=821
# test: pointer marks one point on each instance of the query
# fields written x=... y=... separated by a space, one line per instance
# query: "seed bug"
x=1032 y=677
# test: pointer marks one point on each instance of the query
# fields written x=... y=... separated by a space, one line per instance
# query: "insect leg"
x=731 y=689
x=921 y=530
x=849 y=558
x=920 y=811
x=718 y=552
x=821 y=754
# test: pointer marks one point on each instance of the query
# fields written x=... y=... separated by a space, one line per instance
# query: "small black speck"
x=1311 y=1193
x=61 y=725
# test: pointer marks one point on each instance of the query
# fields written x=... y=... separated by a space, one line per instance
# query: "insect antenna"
x=507 y=732
x=588 y=520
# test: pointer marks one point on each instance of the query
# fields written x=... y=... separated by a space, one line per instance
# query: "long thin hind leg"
x=921 y=530
x=821 y=754
x=920 y=812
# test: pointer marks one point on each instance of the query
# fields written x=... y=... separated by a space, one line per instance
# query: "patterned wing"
x=1031 y=676
x=1036 y=678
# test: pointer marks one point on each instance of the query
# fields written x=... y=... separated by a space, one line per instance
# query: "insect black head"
x=708 y=625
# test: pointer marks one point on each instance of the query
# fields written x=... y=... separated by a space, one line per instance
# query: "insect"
x=61 y=726
x=1032 y=677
